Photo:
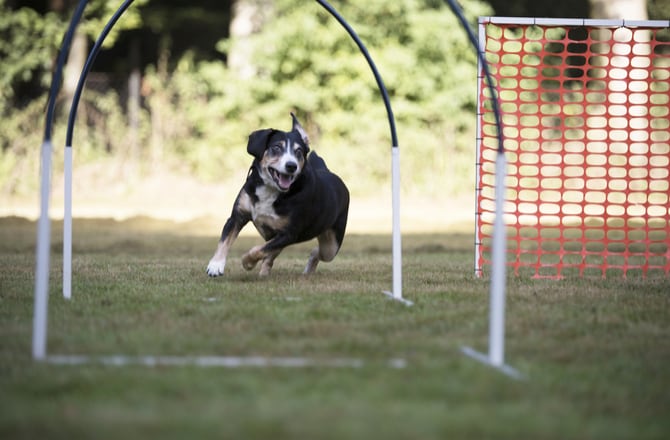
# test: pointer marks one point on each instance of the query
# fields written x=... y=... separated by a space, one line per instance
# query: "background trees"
x=180 y=84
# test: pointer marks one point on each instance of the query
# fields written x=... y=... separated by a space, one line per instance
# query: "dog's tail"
x=316 y=162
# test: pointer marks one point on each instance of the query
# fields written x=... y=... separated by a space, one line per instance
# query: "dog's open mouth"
x=282 y=180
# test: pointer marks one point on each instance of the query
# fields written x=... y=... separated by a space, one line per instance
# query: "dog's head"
x=280 y=155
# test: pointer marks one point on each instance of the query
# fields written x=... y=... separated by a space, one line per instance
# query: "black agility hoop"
x=496 y=350
x=67 y=156
x=39 y=341
x=87 y=68
x=375 y=72
x=485 y=67
x=58 y=70
x=43 y=239
x=495 y=357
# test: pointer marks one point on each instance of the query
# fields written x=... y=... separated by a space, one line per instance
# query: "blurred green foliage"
x=28 y=41
x=197 y=115
x=305 y=62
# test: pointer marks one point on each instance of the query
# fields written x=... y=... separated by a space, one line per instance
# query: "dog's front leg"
x=217 y=263
x=230 y=232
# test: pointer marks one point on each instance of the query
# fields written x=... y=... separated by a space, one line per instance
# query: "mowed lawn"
x=595 y=353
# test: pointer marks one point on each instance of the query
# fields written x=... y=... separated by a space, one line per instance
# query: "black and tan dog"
x=291 y=197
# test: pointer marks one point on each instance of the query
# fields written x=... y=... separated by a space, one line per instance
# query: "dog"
x=291 y=197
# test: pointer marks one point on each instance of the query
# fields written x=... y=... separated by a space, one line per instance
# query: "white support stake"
x=67 y=224
x=397 y=245
x=216 y=361
x=484 y=359
x=396 y=294
x=42 y=264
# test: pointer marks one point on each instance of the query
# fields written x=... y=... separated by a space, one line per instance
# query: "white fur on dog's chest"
x=263 y=207
x=263 y=213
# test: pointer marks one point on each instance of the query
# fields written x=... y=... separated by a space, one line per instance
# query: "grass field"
x=595 y=353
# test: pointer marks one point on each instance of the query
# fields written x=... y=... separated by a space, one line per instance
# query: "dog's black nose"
x=290 y=167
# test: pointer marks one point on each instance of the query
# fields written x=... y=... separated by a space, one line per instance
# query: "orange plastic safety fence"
x=586 y=117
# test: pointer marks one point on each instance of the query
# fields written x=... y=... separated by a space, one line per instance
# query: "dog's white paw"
x=216 y=267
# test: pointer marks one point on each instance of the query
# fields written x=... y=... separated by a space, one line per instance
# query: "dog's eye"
x=276 y=149
x=298 y=153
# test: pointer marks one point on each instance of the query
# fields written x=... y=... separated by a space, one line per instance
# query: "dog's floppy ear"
x=258 y=141
x=303 y=134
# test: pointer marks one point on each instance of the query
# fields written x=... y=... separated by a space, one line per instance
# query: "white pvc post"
x=496 y=355
x=478 y=145
x=497 y=301
x=396 y=294
x=42 y=263
x=67 y=224
x=397 y=245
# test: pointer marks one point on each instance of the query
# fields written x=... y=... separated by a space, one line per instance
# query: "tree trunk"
x=628 y=9
x=75 y=63
x=77 y=56
x=248 y=17
x=626 y=46
x=134 y=84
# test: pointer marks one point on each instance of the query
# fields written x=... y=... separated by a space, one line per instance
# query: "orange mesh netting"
x=586 y=117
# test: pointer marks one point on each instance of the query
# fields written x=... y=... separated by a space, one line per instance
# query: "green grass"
x=595 y=353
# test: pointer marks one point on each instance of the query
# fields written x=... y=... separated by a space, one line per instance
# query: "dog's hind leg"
x=252 y=257
x=312 y=262
x=325 y=251
x=256 y=254
x=266 y=253
x=266 y=264
x=330 y=242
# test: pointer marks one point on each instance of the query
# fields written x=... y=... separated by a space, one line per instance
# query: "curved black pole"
x=96 y=49
x=366 y=54
x=87 y=68
x=58 y=71
x=396 y=292
x=489 y=79
x=328 y=7
x=496 y=353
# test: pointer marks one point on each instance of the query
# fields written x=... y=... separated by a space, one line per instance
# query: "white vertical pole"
x=396 y=292
x=67 y=224
x=42 y=263
x=396 y=240
x=478 y=145
x=497 y=306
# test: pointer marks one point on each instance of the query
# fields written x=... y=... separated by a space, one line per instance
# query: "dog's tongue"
x=285 y=180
